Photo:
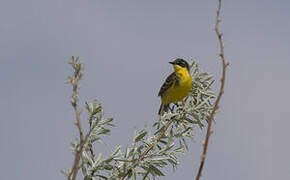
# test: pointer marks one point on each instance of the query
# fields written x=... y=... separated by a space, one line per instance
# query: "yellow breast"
x=177 y=92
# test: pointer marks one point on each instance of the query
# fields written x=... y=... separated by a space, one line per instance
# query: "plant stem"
x=221 y=91
x=162 y=133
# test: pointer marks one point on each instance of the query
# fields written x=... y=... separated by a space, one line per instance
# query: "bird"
x=176 y=86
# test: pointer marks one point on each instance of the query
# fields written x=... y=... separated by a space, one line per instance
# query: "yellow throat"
x=177 y=92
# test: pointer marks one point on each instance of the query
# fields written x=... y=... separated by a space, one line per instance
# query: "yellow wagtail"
x=176 y=86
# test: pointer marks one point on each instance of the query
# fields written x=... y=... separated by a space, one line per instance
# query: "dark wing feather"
x=170 y=80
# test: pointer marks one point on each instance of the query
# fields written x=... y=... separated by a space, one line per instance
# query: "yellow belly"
x=177 y=93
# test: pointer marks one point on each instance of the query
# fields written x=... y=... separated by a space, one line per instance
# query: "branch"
x=74 y=101
x=221 y=91
x=150 y=147
x=142 y=154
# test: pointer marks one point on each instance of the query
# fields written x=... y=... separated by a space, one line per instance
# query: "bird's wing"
x=172 y=79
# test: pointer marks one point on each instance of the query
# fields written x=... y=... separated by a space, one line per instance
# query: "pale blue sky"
x=125 y=47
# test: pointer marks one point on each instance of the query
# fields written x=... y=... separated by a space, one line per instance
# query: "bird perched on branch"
x=176 y=86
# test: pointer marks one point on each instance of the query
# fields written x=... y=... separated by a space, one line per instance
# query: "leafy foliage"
x=149 y=152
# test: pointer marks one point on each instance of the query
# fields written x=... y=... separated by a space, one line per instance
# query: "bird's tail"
x=163 y=108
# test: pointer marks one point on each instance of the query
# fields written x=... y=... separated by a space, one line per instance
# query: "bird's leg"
x=183 y=103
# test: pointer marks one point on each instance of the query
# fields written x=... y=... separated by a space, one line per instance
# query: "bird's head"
x=179 y=64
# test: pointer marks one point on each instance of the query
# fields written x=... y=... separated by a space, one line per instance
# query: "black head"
x=180 y=62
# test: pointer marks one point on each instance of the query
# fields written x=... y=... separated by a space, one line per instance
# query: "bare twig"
x=142 y=156
x=221 y=91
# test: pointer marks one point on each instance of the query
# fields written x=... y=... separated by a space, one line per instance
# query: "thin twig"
x=221 y=91
x=162 y=133
x=74 y=82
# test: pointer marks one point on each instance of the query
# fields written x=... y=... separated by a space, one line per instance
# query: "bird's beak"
x=171 y=63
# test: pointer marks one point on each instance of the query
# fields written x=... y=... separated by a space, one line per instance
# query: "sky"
x=125 y=47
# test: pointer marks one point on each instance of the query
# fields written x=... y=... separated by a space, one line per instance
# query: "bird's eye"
x=181 y=64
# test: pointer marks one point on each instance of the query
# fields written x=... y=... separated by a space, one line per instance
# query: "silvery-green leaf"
x=140 y=136
x=155 y=171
